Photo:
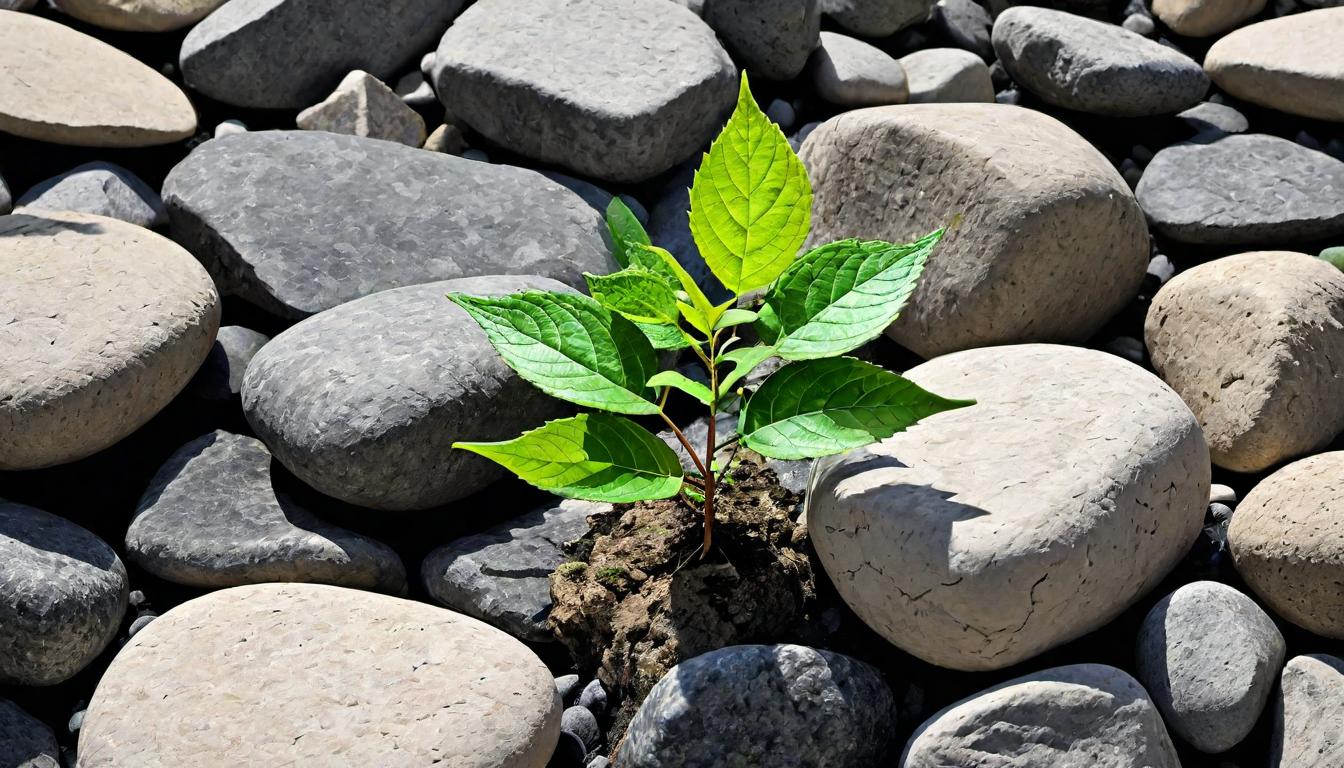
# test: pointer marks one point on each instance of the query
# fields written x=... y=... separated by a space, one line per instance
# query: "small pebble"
x=568 y=687
x=782 y=113
x=1307 y=140
x=1140 y=24
x=1141 y=154
x=1131 y=172
x=76 y=721
x=1335 y=148
x=1161 y=268
x=580 y=722
x=999 y=76
x=594 y=698
x=1010 y=96
x=136 y=598
x=1220 y=512
x=427 y=64
x=230 y=127
x=1127 y=347
x=1221 y=494
x=140 y=624
x=805 y=131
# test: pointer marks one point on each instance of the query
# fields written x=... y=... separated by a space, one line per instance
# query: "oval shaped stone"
x=1294 y=64
x=102 y=323
x=139 y=15
x=989 y=534
x=1203 y=18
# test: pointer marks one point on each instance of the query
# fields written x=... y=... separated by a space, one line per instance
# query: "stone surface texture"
x=102 y=189
x=363 y=105
x=139 y=15
x=221 y=375
x=1309 y=717
x=877 y=18
x=1294 y=64
x=852 y=73
x=771 y=38
x=1205 y=18
x=947 y=75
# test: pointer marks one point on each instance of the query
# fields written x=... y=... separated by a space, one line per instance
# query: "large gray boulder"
x=100 y=188
x=300 y=221
x=25 y=741
x=1309 y=716
x=1294 y=64
x=770 y=38
x=877 y=18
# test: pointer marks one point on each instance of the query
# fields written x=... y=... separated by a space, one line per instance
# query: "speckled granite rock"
x=316 y=675
x=987 y=535
x=25 y=741
x=363 y=402
x=299 y=221
x=765 y=705
x=62 y=596
x=1294 y=64
x=770 y=38
x=139 y=15
x=852 y=73
x=363 y=105
x=1309 y=718
x=1204 y=18
x=619 y=90
x=212 y=518
x=102 y=323
x=947 y=75
x=877 y=18
x=103 y=189
x=221 y=375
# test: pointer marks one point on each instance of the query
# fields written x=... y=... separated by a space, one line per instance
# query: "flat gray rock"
x=619 y=90
x=1211 y=116
x=851 y=73
x=1309 y=716
x=62 y=596
x=364 y=402
x=221 y=375
x=288 y=54
x=502 y=575
x=947 y=75
x=769 y=38
x=1243 y=189
x=25 y=741
x=766 y=705
x=300 y=221
x=99 y=188
x=877 y=18
x=212 y=518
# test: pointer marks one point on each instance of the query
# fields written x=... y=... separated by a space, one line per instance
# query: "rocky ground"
x=229 y=384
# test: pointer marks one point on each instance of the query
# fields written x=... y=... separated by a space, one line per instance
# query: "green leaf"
x=745 y=360
x=664 y=336
x=625 y=229
x=698 y=310
x=751 y=202
x=678 y=381
x=820 y=407
x=594 y=456
x=735 y=317
x=838 y=297
x=569 y=346
x=636 y=293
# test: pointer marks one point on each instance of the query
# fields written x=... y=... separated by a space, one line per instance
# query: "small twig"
x=693 y=480
x=730 y=441
x=687 y=500
x=695 y=458
x=729 y=463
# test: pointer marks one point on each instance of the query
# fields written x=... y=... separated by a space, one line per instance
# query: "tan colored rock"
x=64 y=87
x=1294 y=64
x=1254 y=344
x=1203 y=18
x=1052 y=242
x=448 y=139
x=989 y=534
x=362 y=105
x=139 y=15
x=102 y=323
x=302 y=674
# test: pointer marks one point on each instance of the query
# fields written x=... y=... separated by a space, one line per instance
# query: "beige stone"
x=947 y=75
x=1203 y=18
x=102 y=323
x=64 y=87
x=1051 y=243
x=362 y=105
x=1254 y=343
x=1294 y=64
x=139 y=15
x=448 y=139
x=309 y=675
x=1309 y=718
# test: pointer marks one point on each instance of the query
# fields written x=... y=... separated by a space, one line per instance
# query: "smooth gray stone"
x=1209 y=116
x=100 y=188
x=25 y=741
x=502 y=575
x=877 y=18
x=965 y=24
x=1309 y=714
x=364 y=402
x=62 y=596
x=851 y=73
x=212 y=518
x=300 y=221
x=221 y=375
x=766 y=705
x=288 y=54
x=769 y=38
x=580 y=722
x=568 y=687
x=1243 y=189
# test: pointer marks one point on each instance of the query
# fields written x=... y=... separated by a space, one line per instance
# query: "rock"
x=966 y=25
x=230 y=127
x=64 y=87
x=1309 y=719
x=1042 y=209
x=362 y=105
x=501 y=576
x=1220 y=333
x=17 y=5
x=415 y=91
x=877 y=18
x=275 y=673
x=947 y=75
x=770 y=38
x=364 y=402
x=568 y=687
x=594 y=697
x=1092 y=66
x=580 y=722
x=1080 y=716
x=447 y=139
x=139 y=15
x=300 y=221
x=781 y=113
x=1140 y=24
x=1219 y=493
x=6 y=202
x=62 y=596
x=569 y=752
x=212 y=518
x=852 y=73
x=139 y=624
x=989 y=534
x=99 y=188
x=221 y=375
x=1161 y=268
x=765 y=705
x=102 y=323
x=1204 y=18
x=25 y=741
x=1209 y=656
x=1294 y=64
x=1209 y=116
x=619 y=90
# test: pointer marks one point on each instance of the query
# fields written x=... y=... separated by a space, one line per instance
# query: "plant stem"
x=695 y=458
x=709 y=446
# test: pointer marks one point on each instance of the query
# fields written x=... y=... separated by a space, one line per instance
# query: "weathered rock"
x=1208 y=116
x=139 y=15
x=1081 y=716
x=966 y=25
x=25 y=741
x=947 y=75
x=502 y=575
x=1250 y=342
x=1092 y=66
x=1052 y=243
x=447 y=139
x=1203 y=18
x=364 y=402
x=362 y=105
x=989 y=534
x=620 y=90
x=62 y=596
x=64 y=87
x=103 y=189
x=221 y=375
x=772 y=705
x=877 y=18
x=1294 y=64
x=212 y=518
x=853 y=73
x=770 y=38
x=308 y=674
x=102 y=323
x=1309 y=718
x=300 y=221
x=1209 y=656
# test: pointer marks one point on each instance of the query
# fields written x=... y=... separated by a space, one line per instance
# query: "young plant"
x=750 y=214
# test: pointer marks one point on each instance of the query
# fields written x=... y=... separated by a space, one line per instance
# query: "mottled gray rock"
x=99 y=188
x=946 y=75
x=1309 y=714
x=877 y=18
x=770 y=38
x=287 y=54
x=852 y=73
x=1204 y=18
x=1209 y=116
x=25 y=741
x=1081 y=716
x=221 y=375
x=775 y=705
x=1294 y=64
x=300 y=221
x=501 y=576
x=1140 y=24
x=965 y=24
x=62 y=596
x=1092 y=66
x=363 y=105
x=593 y=697
x=619 y=90
x=212 y=518
x=364 y=402
x=1243 y=189
x=1209 y=656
